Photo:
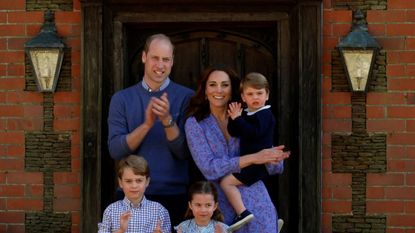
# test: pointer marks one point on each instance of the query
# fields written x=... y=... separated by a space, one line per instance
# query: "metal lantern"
x=358 y=50
x=45 y=52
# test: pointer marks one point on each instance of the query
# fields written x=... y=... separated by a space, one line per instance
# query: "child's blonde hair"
x=137 y=163
x=204 y=187
x=254 y=80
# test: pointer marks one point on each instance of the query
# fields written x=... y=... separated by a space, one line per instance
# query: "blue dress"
x=190 y=226
x=217 y=158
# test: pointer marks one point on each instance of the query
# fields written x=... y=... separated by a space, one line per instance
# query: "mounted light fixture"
x=45 y=52
x=358 y=51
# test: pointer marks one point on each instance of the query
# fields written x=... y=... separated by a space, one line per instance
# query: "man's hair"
x=157 y=37
x=254 y=80
x=137 y=163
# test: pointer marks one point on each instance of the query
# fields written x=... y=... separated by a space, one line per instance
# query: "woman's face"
x=218 y=89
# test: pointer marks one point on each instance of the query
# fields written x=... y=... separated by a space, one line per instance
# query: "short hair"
x=137 y=163
x=159 y=36
x=255 y=80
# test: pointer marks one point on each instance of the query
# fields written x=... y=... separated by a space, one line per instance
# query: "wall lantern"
x=45 y=52
x=358 y=51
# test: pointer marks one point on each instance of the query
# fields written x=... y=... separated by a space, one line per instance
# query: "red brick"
x=25 y=97
x=11 y=137
x=375 y=112
x=11 y=57
x=25 y=124
x=342 y=193
x=386 y=16
x=341 y=29
x=395 y=220
x=24 y=204
x=410 y=98
x=67 y=97
x=3 y=70
x=410 y=70
x=337 y=125
x=396 y=165
x=400 y=29
x=11 y=111
x=12 y=83
x=3 y=44
x=24 y=178
x=407 y=57
x=400 y=192
x=401 y=84
x=330 y=42
x=397 y=152
x=62 y=17
x=12 y=30
x=382 y=207
x=337 y=207
x=3 y=19
x=67 y=204
x=16 y=43
x=338 y=112
x=401 y=139
x=66 y=124
x=33 y=111
x=401 y=112
x=391 y=43
x=411 y=152
x=383 y=99
x=410 y=16
x=377 y=29
x=11 y=164
x=337 y=98
x=12 y=217
x=31 y=17
x=410 y=207
x=76 y=165
x=66 y=111
x=33 y=29
x=386 y=125
x=11 y=190
x=410 y=179
x=393 y=57
x=385 y=179
x=15 y=70
x=400 y=4
x=67 y=191
x=66 y=178
x=16 y=228
x=34 y=190
x=410 y=125
x=410 y=43
x=395 y=70
x=13 y=4
x=375 y=192
x=337 y=180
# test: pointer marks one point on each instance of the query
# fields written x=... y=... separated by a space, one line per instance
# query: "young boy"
x=255 y=128
x=134 y=213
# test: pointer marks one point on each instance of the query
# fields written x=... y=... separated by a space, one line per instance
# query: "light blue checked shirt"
x=144 y=217
x=190 y=226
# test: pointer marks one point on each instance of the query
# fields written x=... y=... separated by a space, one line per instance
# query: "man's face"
x=158 y=62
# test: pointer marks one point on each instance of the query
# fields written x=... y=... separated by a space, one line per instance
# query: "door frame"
x=299 y=60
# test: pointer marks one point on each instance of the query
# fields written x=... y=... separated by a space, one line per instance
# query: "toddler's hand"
x=234 y=110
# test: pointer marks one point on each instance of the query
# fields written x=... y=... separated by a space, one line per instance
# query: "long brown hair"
x=204 y=187
x=199 y=105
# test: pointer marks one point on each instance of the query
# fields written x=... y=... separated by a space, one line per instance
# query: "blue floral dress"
x=190 y=226
x=217 y=158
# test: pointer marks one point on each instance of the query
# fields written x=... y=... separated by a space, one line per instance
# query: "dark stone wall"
x=37 y=5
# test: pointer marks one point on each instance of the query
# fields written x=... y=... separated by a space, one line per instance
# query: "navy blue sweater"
x=255 y=131
x=167 y=160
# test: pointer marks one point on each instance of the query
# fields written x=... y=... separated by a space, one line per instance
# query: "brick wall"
x=39 y=132
x=379 y=198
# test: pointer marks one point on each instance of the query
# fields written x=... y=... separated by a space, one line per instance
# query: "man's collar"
x=162 y=87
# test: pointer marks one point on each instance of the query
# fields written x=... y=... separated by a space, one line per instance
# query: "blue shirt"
x=144 y=217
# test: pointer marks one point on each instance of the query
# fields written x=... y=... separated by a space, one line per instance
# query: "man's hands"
x=158 y=108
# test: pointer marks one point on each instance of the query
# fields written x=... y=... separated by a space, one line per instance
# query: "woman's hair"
x=199 y=105
x=137 y=163
x=204 y=187
x=254 y=80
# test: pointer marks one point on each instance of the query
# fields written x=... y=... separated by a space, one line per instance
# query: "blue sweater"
x=167 y=160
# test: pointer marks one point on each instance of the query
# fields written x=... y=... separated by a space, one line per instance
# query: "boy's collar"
x=131 y=205
x=252 y=113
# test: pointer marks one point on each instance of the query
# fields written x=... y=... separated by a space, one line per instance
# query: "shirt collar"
x=252 y=113
x=130 y=204
x=162 y=87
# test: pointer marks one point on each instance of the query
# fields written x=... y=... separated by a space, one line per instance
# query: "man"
x=148 y=119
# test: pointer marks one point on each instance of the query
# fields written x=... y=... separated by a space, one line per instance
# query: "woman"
x=216 y=153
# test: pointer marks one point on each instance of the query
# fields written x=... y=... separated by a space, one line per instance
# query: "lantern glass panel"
x=45 y=62
x=358 y=64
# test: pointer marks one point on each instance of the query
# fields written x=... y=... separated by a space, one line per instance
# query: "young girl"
x=202 y=213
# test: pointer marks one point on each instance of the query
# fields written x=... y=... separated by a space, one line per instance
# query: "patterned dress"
x=190 y=226
x=216 y=158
